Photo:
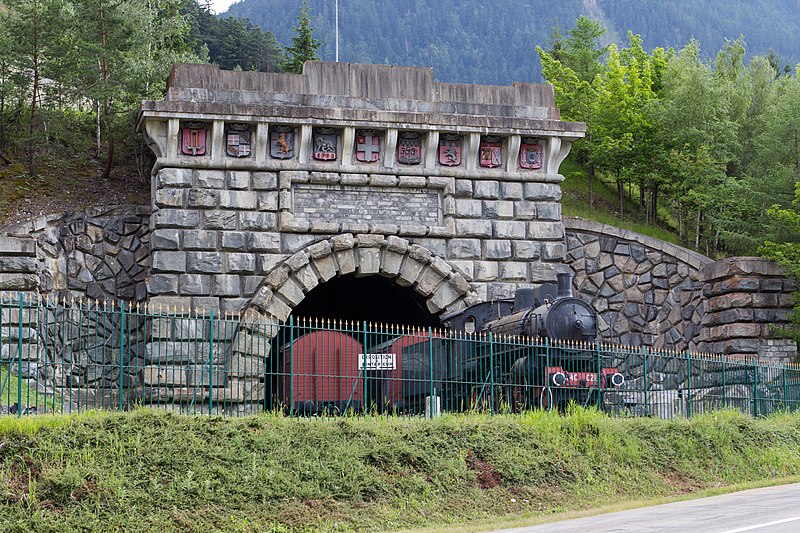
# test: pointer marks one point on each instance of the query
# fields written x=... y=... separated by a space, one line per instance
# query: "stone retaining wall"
x=652 y=293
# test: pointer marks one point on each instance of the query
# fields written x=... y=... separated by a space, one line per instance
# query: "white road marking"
x=759 y=526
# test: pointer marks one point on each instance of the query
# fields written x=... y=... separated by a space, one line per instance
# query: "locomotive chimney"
x=564 y=285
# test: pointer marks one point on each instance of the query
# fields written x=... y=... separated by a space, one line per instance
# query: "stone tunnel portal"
x=370 y=298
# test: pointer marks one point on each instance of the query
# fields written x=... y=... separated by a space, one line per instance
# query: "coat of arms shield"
x=530 y=154
x=237 y=140
x=450 y=150
x=409 y=148
x=193 y=139
x=368 y=147
x=491 y=152
x=325 y=146
x=281 y=143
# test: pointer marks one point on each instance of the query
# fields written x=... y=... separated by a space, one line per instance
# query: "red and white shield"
x=193 y=140
x=368 y=148
x=491 y=153
x=450 y=151
x=530 y=155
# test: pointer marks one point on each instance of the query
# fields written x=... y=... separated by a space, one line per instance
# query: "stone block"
x=474 y=228
x=291 y=291
x=165 y=239
x=326 y=267
x=194 y=284
x=467 y=268
x=234 y=240
x=489 y=190
x=211 y=179
x=443 y=297
x=525 y=249
x=166 y=261
x=220 y=220
x=409 y=272
x=464 y=249
x=508 y=229
x=241 y=390
x=18 y=282
x=17 y=245
x=253 y=343
x=369 y=261
x=268 y=201
x=346 y=260
x=204 y=198
x=498 y=209
x=162 y=376
x=263 y=242
x=238 y=179
x=203 y=262
x=199 y=240
x=227 y=285
x=168 y=352
x=265 y=181
x=22 y=264
x=162 y=284
x=469 y=208
x=208 y=376
x=174 y=177
x=428 y=281
x=238 y=199
x=524 y=210
x=545 y=230
x=258 y=221
x=513 y=271
x=169 y=197
x=242 y=262
x=190 y=329
x=494 y=249
x=176 y=218
x=548 y=211
x=511 y=190
x=485 y=271
x=542 y=191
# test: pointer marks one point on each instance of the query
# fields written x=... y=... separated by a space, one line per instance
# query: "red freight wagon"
x=319 y=373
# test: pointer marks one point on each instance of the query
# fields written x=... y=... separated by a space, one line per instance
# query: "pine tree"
x=304 y=45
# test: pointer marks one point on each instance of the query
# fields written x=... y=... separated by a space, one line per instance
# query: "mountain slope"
x=475 y=41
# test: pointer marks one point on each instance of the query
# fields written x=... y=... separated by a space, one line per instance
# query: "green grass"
x=575 y=203
x=146 y=470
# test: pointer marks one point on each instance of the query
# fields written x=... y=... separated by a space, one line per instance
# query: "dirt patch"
x=488 y=476
x=20 y=475
x=682 y=483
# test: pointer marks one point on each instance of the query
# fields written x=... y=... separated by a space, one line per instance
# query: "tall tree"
x=304 y=45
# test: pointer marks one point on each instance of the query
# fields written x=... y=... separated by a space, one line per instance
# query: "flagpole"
x=337 y=31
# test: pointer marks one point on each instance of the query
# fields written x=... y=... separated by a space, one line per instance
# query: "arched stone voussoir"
x=409 y=265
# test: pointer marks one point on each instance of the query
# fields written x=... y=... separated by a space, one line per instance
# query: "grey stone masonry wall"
x=652 y=293
x=466 y=175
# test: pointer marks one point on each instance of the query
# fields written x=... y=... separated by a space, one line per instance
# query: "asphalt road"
x=766 y=510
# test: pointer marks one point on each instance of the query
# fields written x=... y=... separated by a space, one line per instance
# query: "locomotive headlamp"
x=616 y=379
x=558 y=379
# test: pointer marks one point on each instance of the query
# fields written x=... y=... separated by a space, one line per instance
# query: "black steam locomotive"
x=537 y=350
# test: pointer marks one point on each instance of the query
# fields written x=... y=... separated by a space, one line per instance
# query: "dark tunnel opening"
x=370 y=298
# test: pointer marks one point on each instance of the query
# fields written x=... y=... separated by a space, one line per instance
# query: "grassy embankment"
x=150 y=471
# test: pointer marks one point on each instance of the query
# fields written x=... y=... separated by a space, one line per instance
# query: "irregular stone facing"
x=652 y=293
x=102 y=253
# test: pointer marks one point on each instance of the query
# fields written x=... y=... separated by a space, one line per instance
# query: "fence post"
x=364 y=373
x=431 y=399
x=785 y=390
x=755 y=387
x=724 y=383
x=546 y=383
x=644 y=385
x=19 y=360
x=210 y=360
x=688 y=384
x=491 y=373
x=291 y=365
x=121 y=351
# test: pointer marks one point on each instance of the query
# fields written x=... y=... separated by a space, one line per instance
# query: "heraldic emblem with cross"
x=193 y=138
x=368 y=147
x=530 y=154
x=491 y=152
x=450 y=150
x=237 y=140
x=325 y=145
x=409 y=148
x=281 y=143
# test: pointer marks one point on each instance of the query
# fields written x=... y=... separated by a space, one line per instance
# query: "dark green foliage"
x=231 y=42
x=304 y=45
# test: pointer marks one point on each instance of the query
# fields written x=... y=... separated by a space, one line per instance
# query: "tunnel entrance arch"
x=419 y=280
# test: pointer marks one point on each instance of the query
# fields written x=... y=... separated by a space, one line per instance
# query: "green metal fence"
x=61 y=355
